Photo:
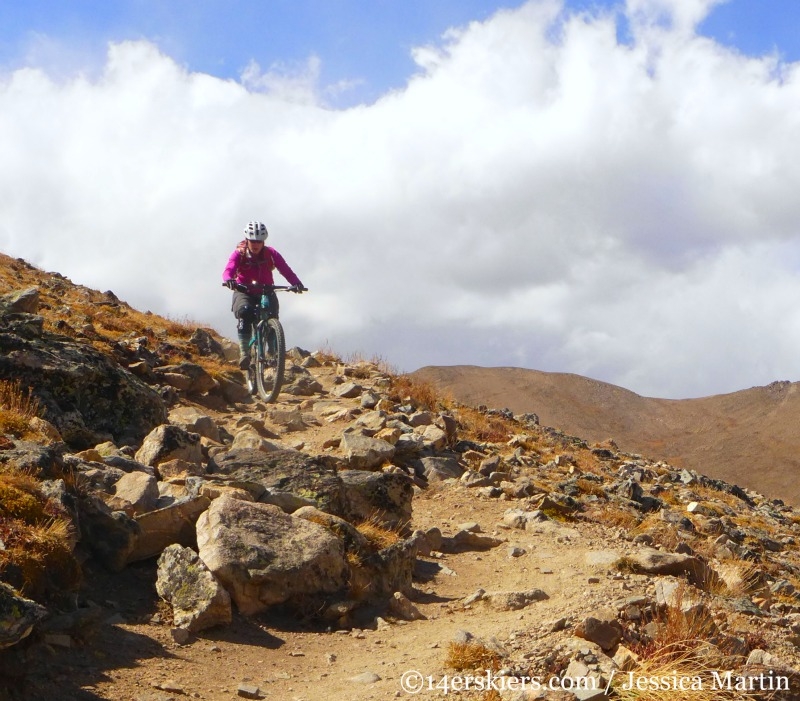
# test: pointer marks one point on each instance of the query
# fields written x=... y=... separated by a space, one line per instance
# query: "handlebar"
x=260 y=289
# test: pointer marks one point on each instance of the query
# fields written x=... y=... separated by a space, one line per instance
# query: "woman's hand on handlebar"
x=233 y=285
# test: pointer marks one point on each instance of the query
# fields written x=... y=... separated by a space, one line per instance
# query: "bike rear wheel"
x=271 y=361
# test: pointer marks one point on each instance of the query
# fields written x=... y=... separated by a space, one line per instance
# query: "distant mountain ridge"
x=750 y=437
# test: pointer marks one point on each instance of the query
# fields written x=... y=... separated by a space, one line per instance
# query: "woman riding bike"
x=251 y=264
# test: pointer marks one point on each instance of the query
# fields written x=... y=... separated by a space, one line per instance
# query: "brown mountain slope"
x=750 y=437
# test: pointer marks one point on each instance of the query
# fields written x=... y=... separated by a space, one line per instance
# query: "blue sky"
x=603 y=189
x=366 y=42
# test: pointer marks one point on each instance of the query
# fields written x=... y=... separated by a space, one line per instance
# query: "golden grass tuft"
x=38 y=559
x=471 y=656
x=17 y=408
x=613 y=516
x=423 y=395
x=480 y=426
x=666 y=665
x=589 y=487
x=377 y=533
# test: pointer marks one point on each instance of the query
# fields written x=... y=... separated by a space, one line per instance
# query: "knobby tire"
x=269 y=372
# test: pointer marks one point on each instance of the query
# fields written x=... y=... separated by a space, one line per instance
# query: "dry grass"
x=423 y=395
x=37 y=554
x=660 y=674
x=613 y=516
x=662 y=532
x=17 y=408
x=377 y=533
x=740 y=578
x=471 y=656
x=480 y=426
x=589 y=487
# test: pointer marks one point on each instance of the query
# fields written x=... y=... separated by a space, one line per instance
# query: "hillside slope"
x=749 y=437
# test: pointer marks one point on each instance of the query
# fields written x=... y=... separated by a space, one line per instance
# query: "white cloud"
x=538 y=194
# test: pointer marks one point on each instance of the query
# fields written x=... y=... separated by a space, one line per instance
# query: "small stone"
x=248 y=691
x=180 y=636
x=366 y=678
x=171 y=686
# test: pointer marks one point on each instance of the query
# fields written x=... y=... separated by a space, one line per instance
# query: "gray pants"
x=244 y=306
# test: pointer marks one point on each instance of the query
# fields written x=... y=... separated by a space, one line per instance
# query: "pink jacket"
x=251 y=270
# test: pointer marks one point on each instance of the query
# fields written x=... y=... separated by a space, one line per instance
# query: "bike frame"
x=267 y=344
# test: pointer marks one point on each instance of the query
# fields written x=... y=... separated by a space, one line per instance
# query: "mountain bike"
x=267 y=345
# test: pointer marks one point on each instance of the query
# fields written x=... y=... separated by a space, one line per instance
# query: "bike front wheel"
x=271 y=360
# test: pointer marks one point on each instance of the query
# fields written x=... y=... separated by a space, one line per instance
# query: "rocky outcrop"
x=86 y=395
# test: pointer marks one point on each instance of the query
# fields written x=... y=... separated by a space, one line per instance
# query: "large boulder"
x=84 y=393
x=265 y=557
x=378 y=576
x=270 y=477
x=385 y=497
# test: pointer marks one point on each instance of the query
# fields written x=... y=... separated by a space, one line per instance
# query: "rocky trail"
x=239 y=550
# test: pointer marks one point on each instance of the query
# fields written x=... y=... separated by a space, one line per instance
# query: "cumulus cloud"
x=541 y=193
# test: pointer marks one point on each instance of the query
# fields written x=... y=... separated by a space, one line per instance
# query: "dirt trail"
x=283 y=660
x=137 y=658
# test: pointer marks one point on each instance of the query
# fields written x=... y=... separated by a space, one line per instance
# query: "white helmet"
x=255 y=231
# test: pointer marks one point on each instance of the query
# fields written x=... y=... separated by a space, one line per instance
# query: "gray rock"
x=18 y=616
x=171 y=524
x=515 y=600
x=199 y=381
x=365 y=453
x=139 y=489
x=602 y=629
x=347 y=390
x=84 y=393
x=20 y=301
x=302 y=386
x=366 y=678
x=271 y=476
x=265 y=557
x=651 y=561
x=402 y=608
x=193 y=420
x=436 y=469
x=167 y=442
x=434 y=438
x=386 y=497
x=198 y=600
x=111 y=535
x=465 y=541
x=386 y=572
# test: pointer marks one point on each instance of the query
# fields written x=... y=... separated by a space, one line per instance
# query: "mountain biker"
x=251 y=264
